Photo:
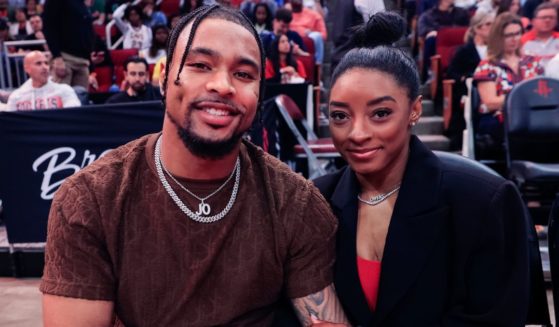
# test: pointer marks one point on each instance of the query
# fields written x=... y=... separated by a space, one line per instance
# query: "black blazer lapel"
x=346 y=276
x=416 y=223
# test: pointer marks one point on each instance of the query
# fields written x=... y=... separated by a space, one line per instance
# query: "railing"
x=6 y=79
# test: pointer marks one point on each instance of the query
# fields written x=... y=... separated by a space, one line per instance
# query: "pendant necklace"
x=373 y=201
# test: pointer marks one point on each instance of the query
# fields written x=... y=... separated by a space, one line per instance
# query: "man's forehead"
x=223 y=25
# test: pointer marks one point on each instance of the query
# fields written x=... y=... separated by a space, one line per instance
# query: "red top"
x=369 y=275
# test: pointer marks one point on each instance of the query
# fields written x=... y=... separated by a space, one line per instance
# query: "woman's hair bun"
x=383 y=28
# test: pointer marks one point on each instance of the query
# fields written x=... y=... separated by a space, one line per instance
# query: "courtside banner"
x=39 y=149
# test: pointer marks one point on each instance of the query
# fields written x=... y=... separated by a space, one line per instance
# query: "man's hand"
x=59 y=67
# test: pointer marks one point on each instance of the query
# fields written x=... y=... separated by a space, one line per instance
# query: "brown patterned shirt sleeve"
x=77 y=263
x=312 y=244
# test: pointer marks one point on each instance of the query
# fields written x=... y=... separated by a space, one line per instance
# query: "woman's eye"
x=338 y=116
x=381 y=113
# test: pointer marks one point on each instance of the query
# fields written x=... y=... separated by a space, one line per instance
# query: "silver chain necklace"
x=373 y=201
x=204 y=209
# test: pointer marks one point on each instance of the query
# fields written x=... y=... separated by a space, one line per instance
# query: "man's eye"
x=245 y=75
x=338 y=116
x=198 y=65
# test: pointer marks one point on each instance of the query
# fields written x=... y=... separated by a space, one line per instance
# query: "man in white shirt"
x=542 y=41
x=38 y=92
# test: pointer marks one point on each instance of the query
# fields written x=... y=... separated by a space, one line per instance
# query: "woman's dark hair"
x=187 y=7
x=156 y=45
x=196 y=17
x=269 y=17
x=274 y=56
x=135 y=8
x=504 y=6
x=374 y=51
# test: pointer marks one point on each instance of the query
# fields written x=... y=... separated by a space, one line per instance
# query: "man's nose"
x=221 y=83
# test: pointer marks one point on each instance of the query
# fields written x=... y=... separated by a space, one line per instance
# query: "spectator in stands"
x=262 y=18
x=445 y=14
x=153 y=17
x=190 y=5
x=348 y=15
x=310 y=23
x=159 y=67
x=449 y=237
x=513 y=6
x=247 y=6
x=36 y=23
x=21 y=28
x=39 y=92
x=488 y=5
x=158 y=47
x=462 y=66
x=68 y=29
x=136 y=76
x=281 y=65
x=280 y=25
x=542 y=41
x=495 y=76
x=136 y=34
x=33 y=8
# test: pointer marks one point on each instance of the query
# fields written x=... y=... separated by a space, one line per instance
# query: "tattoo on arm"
x=323 y=305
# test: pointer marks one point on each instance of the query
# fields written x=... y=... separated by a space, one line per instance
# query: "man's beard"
x=139 y=88
x=200 y=146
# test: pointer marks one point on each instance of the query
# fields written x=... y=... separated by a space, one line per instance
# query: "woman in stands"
x=462 y=66
x=423 y=240
x=262 y=18
x=513 y=6
x=190 y=5
x=495 y=76
x=158 y=48
x=281 y=64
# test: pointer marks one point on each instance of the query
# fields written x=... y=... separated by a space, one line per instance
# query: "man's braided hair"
x=198 y=15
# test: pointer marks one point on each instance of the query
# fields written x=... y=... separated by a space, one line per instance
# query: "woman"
x=190 y=5
x=462 y=66
x=422 y=241
x=513 y=6
x=158 y=48
x=495 y=76
x=281 y=66
x=262 y=18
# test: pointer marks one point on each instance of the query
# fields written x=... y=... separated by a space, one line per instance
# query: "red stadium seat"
x=100 y=31
x=448 y=40
x=119 y=57
x=104 y=76
x=170 y=7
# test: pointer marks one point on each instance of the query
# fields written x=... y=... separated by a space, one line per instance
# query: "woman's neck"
x=478 y=40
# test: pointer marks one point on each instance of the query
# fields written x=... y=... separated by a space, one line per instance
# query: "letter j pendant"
x=203 y=209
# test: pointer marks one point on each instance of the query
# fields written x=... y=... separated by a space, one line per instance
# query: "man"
x=443 y=14
x=136 y=80
x=280 y=25
x=193 y=227
x=308 y=22
x=38 y=92
x=542 y=41
x=36 y=23
x=68 y=29
x=348 y=15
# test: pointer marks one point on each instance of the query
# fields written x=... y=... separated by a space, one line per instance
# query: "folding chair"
x=311 y=148
x=531 y=142
x=448 y=40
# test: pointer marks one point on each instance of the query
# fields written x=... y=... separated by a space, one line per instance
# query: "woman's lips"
x=363 y=154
